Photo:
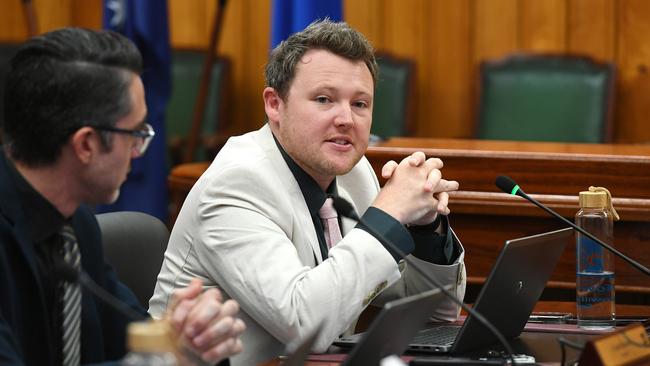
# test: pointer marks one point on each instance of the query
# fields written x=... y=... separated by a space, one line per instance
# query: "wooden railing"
x=553 y=173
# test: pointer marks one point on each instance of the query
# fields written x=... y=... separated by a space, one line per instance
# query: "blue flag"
x=145 y=23
x=290 y=16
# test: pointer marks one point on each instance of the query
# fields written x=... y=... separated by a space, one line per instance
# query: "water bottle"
x=150 y=343
x=595 y=294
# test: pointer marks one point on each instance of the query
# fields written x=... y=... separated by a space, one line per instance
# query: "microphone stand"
x=108 y=298
x=344 y=208
x=69 y=274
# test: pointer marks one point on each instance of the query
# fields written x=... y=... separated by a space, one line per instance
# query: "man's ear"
x=85 y=144
x=272 y=103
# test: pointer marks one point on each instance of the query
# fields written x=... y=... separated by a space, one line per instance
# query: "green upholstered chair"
x=187 y=66
x=546 y=98
x=392 y=105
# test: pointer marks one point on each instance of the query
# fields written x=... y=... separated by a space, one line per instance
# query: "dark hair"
x=336 y=37
x=61 y=81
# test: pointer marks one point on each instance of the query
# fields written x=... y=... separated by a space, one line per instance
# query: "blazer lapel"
x=296 y=201
x=12 y=211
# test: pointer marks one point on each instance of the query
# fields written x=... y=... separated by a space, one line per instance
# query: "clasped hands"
x=205 y=323
x=415 y=192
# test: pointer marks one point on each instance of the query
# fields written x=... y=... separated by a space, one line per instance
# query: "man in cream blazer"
x=249 y=225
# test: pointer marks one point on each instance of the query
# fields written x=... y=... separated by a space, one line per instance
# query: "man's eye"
x=361 y=104
x=322 y=100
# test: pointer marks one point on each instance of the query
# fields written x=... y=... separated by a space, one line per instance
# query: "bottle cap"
x=151 y=336
x=598 y=197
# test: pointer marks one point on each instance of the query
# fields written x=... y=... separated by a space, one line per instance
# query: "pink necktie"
x=330 y=220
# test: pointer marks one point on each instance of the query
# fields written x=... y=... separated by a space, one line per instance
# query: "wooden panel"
x=86 y=13
x=404 y=35
x=544 y=168
x=446 y=39
x=591 y=28
x=59 y=14
x=447 y=84
x=245 y=45
x=555 y=173
x=257 y=46
x=494 y=28
x=483 y=242
x=542 y=25
x=189 y=25
x=633 y=60
x=233 y=44
x=49 y=15
x=367 y=17
x=494 y=36
x=12 y=21
x=404 y=30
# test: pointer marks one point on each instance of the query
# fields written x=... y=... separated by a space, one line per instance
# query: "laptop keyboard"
x=441 y=335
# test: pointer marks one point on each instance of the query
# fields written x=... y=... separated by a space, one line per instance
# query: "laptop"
x=391 y=331
x=296 y=353
x=507 y=299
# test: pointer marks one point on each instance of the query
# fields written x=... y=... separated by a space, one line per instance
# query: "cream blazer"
x=245 y=228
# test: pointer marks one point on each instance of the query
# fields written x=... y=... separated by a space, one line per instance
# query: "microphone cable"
x=67 y=273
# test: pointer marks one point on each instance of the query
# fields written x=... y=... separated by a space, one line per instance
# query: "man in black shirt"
x=75 y=116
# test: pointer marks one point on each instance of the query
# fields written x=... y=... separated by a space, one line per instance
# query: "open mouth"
x=340 y=141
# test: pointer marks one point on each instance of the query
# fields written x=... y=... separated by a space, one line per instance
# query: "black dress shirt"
x=422 y=241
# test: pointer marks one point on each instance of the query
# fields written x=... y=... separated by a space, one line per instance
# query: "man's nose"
x=344 y=115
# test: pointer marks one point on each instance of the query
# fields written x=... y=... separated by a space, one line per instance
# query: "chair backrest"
x=546 y=98
x=135 y=244
x=187 y=66
x=392 y=106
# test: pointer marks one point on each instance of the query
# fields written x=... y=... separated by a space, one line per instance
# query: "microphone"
x=509 y=186
x=344 y=208
x=69 y=274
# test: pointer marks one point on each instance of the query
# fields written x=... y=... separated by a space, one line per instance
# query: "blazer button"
x=461 y=276
x=379 y=288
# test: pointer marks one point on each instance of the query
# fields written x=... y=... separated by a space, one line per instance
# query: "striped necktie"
x=71 y=301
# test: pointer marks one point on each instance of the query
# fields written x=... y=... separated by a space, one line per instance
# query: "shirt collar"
x=311 y=191
x=43 y=219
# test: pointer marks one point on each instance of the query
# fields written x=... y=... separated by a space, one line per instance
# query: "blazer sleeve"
x=248 y=242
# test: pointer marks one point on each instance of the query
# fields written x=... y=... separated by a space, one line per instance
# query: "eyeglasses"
x=143 y=136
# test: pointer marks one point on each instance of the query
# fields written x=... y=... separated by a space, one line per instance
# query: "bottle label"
x=595 y=288
x=591 y=256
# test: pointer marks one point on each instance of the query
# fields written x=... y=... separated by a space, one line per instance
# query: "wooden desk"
x=542 y=344
x=553 y=173
x=622 y=311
